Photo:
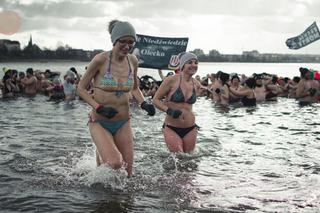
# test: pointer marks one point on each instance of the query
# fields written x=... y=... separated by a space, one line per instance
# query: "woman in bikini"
x=114 y=75
x=179 y=91
x=246 y=93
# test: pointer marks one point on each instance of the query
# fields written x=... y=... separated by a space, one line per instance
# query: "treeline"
x=33 y=52
x=255 y=57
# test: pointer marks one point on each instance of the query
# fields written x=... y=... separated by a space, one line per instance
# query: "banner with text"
x=310 y=35
x=159 y=52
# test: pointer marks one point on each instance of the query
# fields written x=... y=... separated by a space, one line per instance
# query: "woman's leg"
x=109 y=153
x=124 y=142
x=98 y=158
x=189 y=140
x=173 y=141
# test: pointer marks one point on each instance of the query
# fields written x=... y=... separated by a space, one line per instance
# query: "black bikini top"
x=178 y=96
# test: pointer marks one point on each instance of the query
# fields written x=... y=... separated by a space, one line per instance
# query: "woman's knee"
x=115 y=162
x=189 y=148
x=174 y=146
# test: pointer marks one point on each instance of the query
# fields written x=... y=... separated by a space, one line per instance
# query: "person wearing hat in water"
x=69 y=86
x=180 y=93
x=77 y=79
x=8 y=86
x=223 y=90
x=307 y=88
x=114 y=75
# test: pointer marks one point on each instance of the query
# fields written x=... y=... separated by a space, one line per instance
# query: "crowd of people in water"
x=222 y=88
x=111 y=83
x=32 y=82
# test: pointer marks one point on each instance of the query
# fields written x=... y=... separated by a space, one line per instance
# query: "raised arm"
x=161 y=74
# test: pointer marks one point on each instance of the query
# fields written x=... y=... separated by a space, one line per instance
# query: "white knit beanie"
x=185 y=57
x=122 y=29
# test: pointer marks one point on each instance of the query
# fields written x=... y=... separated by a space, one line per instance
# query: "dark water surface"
x=263 y=159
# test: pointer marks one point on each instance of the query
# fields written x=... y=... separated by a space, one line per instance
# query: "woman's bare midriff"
x=186 y=119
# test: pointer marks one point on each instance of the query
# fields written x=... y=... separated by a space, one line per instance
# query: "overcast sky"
x=229 y=26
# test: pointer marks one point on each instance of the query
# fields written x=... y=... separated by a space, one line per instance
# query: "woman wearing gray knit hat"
x=114 y=75
x=179 y=92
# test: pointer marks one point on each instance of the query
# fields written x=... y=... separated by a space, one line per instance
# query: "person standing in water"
x=307 y=88
x=179 y=91
x=114 y=75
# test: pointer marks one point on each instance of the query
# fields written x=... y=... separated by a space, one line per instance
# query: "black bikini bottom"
x=181 y=131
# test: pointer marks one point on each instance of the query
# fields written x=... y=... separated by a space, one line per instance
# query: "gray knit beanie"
x=122 y=29
x=185 y=57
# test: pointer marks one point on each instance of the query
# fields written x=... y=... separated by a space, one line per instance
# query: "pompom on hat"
x=185 y=57
x=5 y=70
x=122 y=29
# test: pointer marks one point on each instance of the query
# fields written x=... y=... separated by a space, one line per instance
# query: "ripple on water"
x=257 y=143
x=246 y=160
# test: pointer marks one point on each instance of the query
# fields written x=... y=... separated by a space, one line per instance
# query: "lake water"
x=262 y=159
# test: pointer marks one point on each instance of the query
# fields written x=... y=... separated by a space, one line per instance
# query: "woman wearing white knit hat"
x=179 y=91
x=114 y=75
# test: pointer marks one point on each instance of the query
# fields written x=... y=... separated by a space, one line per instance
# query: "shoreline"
x=226 y=62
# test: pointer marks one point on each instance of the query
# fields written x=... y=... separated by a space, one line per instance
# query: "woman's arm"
x=300 y=90
x=28 y=81
x=92 y=70
x=162 y=91
x=161 y=74
x=136 y=92
x=239 y=93
x=199 y=87
x=226 y=94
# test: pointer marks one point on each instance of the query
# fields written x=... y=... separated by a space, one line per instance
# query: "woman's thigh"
x=104 y=142
x=124 y=142
x=172 y=139
x=189 y=141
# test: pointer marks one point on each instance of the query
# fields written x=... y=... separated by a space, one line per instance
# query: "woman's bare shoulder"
x=171 y=79
x=100 y=58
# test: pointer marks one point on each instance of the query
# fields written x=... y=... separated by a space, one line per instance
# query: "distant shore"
x=41 y=60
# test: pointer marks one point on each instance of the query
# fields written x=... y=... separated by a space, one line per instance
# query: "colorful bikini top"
x=111 y=84
x=178 y=96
